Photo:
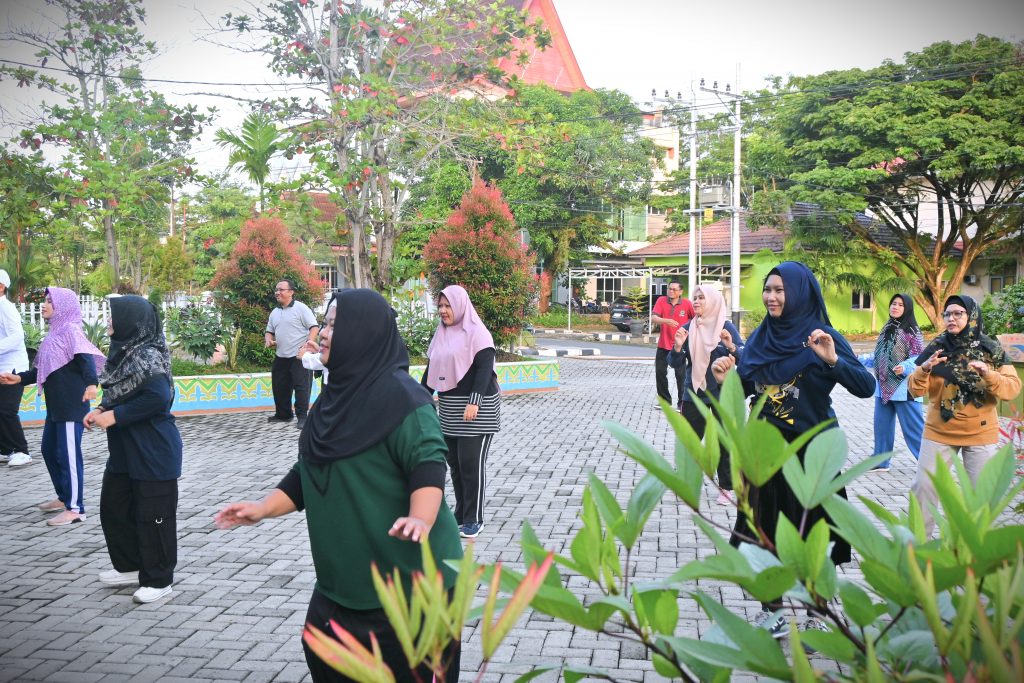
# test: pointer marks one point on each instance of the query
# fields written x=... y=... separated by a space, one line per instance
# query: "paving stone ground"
x=240 y=596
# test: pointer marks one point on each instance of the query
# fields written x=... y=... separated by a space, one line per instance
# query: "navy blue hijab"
x=775 y=351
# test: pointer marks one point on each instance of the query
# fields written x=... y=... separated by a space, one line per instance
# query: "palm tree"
x=259 y=141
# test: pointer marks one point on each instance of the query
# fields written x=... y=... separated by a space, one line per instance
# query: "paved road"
x=240 y=596
x=611 y=349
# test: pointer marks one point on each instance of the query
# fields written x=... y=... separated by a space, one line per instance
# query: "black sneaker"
x=778 y=626
x=275 y=418
x=300 y=422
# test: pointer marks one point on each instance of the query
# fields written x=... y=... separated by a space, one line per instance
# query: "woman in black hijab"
x=139 y=497
x=965 y=373
x=370 y=476
x=898 y=345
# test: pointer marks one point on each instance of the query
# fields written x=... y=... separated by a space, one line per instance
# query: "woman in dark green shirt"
x=370 y=476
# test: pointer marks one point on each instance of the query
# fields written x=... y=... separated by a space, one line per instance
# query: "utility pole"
x=734 y=257
x=691 y=267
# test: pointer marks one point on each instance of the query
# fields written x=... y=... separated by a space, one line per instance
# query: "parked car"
x=622 y=313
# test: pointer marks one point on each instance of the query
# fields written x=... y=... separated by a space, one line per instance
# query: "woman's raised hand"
x=823 y=345
x=933 y=360
x=980 y=367
x=721 y=367
x=680 y=339
x=727 y=340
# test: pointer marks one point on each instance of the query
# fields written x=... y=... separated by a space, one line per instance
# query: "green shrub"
x=33 y=335
x=415 y=325
x=999 y=312
x=96 y=332
x=196 y=330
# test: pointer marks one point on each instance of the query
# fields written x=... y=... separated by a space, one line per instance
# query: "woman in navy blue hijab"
x=797 y=358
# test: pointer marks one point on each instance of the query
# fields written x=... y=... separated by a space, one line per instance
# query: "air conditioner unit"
x=971 y=279
x=713 y=195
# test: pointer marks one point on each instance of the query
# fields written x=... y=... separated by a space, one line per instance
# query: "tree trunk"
x=108 y=232
x=545 y=290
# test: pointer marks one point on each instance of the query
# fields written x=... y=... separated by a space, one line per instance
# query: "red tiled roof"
x=556 y=66
x=715 y=239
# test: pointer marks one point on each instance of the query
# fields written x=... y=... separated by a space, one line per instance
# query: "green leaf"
x=762 y=452
x=857 y=604
x=816 y=548
x=576 y=673
x=530 y=675
x=644 y=499
x=859 y=532
x=995 y=478
x=770 y=584
x=951 y=496
x=664 y=667
x=607 y=506
x=636 y=448
x=762 y=652
x=888 y=583
x=813 y=481
x=833 y=645
x=534 y=553
x=791 y=548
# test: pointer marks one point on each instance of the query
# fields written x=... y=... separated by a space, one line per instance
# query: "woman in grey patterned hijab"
x=138 y=350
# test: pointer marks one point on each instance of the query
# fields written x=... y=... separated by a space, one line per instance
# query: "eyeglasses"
x=954 y=315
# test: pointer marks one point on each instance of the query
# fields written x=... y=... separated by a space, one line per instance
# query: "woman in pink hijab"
x=66 y=369
x=697 y=344
x=460 y=368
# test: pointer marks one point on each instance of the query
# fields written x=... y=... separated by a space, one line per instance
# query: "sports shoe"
x=4 y=457
x=65 y=518
x=300 y=422
x=470 y=530
x=147 y=594
x=19 y=460
x=112 y=577
x=812 y=624
x=777 y=626
x=723 y=498
x=52 y=505
x=881 y=467
x=275 y=418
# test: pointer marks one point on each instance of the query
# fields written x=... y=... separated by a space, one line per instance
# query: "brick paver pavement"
x=240 y=596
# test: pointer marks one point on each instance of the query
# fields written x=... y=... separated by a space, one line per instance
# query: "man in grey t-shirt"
x=291 y=325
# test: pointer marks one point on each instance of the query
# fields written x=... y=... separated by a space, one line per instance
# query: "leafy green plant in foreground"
x=942 y=609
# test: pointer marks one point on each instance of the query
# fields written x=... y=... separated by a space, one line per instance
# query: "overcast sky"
x=632 y=46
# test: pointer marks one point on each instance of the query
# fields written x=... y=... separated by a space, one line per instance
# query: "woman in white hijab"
x=697 y=344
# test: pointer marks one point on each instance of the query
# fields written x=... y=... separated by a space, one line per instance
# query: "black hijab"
x=775 y=352
x=138 y=350
x=963 y=384
x=369 y=391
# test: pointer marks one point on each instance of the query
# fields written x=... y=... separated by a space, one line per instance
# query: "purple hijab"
x=65 y=338
x=453 y=348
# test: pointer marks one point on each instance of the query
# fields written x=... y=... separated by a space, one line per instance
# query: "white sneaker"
x=4 y=457
x=147 y=594
x=112 y=577
x=19 y=460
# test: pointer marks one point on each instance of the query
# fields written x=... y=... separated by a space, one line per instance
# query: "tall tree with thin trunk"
x=253 y=148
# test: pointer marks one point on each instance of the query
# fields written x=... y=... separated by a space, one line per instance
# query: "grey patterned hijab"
x=138 y=351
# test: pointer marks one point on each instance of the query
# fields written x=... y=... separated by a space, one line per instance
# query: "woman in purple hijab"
x=66 y=368
x=460 y=368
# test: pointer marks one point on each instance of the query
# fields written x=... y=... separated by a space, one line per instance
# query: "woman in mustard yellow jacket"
x=964 y=373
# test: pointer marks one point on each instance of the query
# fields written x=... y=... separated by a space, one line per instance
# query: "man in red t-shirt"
x=670 y=312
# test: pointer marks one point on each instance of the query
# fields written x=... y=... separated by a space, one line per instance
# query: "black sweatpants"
x=467 y=459
x=12 y=436
x=286 y=376
x=361 y=623
x=140 y=525
x=661 y=371
x=697 y=421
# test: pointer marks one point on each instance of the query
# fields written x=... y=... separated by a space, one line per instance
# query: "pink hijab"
x=65 y=339
x=705 y=334
x=453 y=348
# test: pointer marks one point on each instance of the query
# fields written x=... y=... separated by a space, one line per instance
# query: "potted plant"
x=636 y=297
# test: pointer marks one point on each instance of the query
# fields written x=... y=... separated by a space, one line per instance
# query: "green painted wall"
x=753 y=272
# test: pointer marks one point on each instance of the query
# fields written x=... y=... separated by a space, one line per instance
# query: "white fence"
x=93 y=309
